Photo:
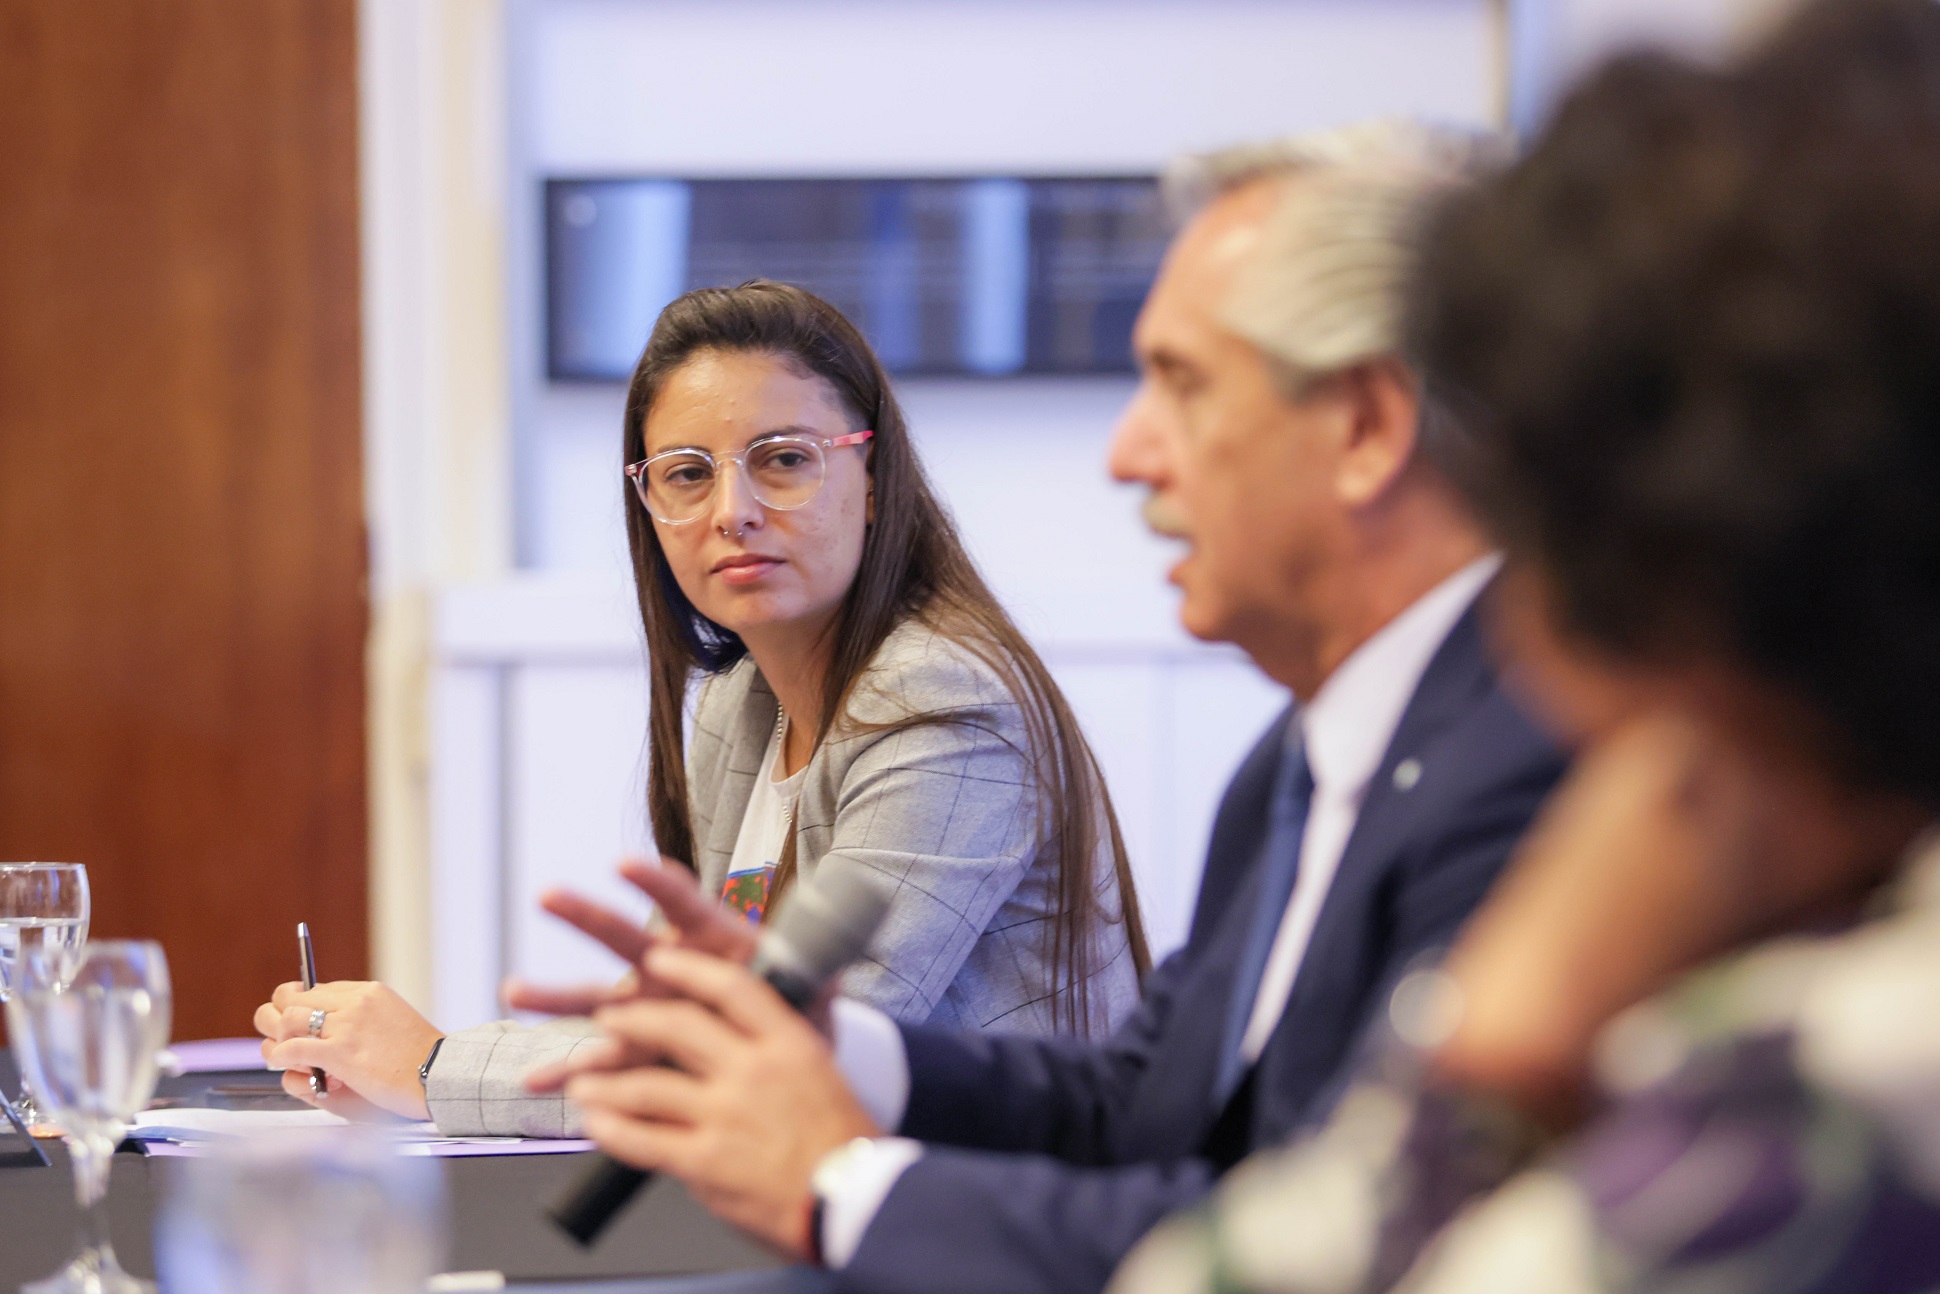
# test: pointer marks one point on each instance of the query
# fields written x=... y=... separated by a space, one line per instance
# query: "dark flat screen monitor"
x=983 y=275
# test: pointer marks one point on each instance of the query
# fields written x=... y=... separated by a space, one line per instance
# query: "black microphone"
x=821 y=929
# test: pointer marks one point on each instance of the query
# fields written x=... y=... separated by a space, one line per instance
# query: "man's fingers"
x=621 y=933
x=700 y=919
x=597 y=1056
x=686 y=1033
x=655 y=1147
x=281 y=997
x=648 y=1092
x=568 y=999
x=730 y=989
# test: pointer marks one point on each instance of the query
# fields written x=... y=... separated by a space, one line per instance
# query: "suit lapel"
x=1239 y=828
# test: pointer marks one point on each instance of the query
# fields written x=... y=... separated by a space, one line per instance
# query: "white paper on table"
x=465 y=1147
x=189 y=1131
x=443 y=1149
x=190 y=1124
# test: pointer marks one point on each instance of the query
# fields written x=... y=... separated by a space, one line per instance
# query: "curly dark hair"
x=1694 y=337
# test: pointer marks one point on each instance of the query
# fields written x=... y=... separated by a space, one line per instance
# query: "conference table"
x=496 y=1205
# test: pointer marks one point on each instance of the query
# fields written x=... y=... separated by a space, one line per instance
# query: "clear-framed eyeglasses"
x=783 y=472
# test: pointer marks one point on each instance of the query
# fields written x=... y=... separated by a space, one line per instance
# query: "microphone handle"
x=584 y=1210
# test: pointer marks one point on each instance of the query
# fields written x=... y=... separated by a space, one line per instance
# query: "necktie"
x=1279 y=865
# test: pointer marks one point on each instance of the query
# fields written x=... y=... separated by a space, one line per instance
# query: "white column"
x=435 y=402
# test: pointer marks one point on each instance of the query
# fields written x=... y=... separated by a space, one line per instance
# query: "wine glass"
x=88 y=1034
x=42 y=905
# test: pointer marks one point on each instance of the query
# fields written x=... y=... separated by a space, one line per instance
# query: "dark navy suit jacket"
x=1049 y=1158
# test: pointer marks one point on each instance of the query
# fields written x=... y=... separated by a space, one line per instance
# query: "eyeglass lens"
x=782 y=473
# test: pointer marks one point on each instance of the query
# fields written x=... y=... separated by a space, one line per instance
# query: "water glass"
x=88 y=1031
x=316 y=1212
x=42 y=906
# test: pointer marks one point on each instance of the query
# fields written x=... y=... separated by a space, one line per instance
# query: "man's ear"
x=1383 y=406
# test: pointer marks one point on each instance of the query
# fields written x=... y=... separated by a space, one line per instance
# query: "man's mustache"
x=1161 y=516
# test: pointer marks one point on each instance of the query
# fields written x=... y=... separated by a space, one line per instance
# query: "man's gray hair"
x=1325 y=290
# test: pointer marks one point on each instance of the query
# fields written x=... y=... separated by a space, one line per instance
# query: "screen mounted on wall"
x=990 y=276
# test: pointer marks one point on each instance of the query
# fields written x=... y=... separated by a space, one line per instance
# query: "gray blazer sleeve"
x=476 y=1087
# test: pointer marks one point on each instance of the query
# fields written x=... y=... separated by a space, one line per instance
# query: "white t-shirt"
x=764 y=830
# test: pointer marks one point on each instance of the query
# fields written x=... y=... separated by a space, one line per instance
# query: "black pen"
x=307 y=954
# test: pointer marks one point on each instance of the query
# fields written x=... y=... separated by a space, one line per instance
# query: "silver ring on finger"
x=316 y=1022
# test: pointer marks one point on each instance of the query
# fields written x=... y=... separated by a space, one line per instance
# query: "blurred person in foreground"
x=863 y=703
x=1280 y=438
x=1694 y=1042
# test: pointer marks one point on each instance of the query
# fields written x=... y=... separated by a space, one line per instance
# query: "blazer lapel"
x=747 y=730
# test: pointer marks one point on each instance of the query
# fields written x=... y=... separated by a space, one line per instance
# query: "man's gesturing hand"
x=693 y=921
x=747 y=1101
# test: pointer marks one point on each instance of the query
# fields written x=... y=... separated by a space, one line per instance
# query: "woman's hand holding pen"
x=371 y=1044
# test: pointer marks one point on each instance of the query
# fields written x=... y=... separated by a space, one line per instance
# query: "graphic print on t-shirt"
x=747 y=891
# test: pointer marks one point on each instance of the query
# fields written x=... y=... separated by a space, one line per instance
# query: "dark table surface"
x=496 y=1212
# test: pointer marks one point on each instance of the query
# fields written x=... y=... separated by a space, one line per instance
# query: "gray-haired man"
x=1280 y=436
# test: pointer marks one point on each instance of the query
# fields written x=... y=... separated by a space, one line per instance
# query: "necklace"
x=781 y=761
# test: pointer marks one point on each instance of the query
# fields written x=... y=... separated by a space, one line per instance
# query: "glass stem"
x=93 y=1156
x=23 y=1106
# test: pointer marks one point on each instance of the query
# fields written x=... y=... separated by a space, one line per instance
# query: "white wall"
x=437 y=449
x=847 y=87
x=538 y=734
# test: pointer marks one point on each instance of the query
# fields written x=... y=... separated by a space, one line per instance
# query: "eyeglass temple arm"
x=853 y=438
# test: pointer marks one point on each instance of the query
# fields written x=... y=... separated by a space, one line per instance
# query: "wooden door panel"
x=182 y=558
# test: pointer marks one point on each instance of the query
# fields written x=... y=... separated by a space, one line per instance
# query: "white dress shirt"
x=1347 y=729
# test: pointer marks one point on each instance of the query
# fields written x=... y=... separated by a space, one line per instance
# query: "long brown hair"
x=912 y=564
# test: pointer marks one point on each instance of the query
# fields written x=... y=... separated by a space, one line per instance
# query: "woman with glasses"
x=863 y=702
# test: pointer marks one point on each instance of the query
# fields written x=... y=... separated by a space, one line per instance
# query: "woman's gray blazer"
x=944 y=813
